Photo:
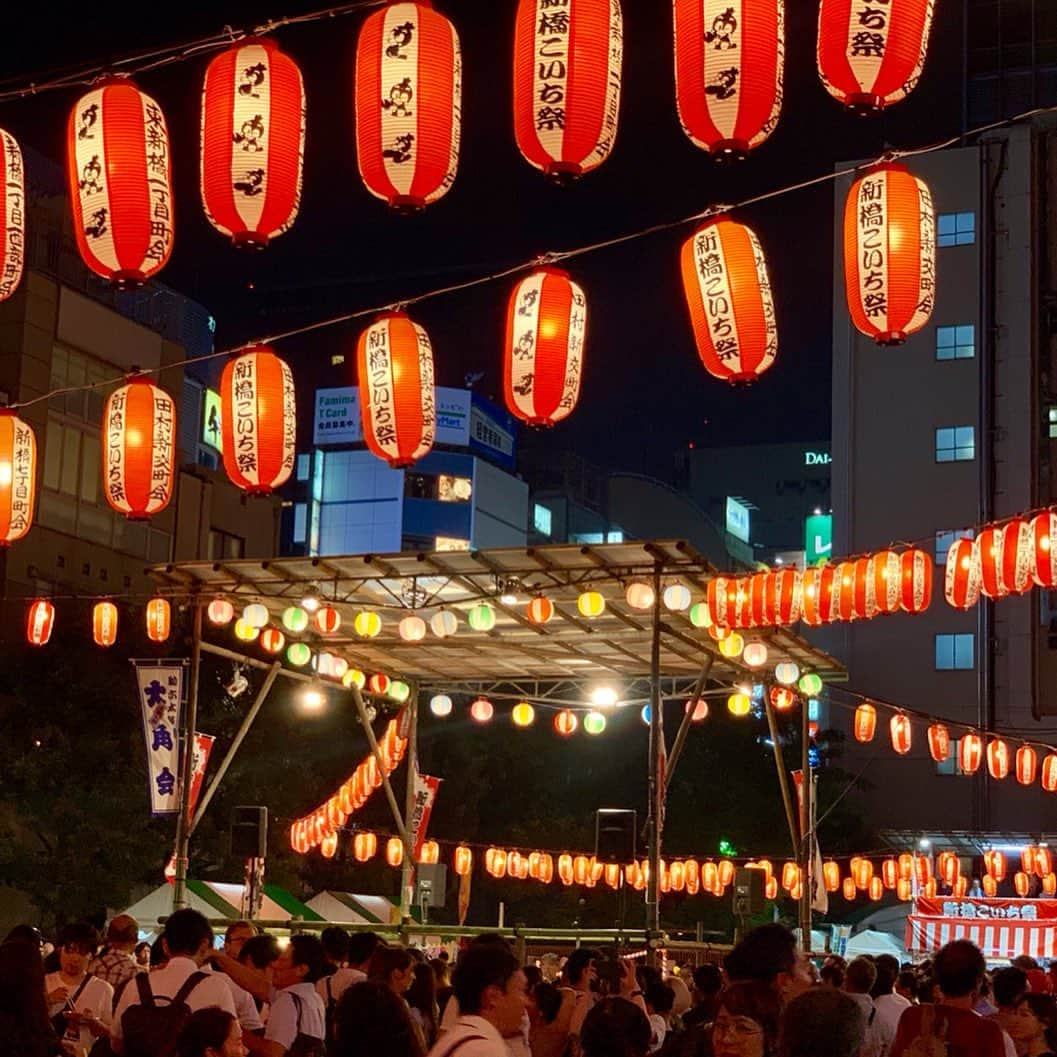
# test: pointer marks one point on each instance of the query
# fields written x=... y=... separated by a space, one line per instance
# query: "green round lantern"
x=295 y=619
x=810 y=684
x=699 y=615
x=594 y=723
x=399 y=691
x=298 y=654
x=481 y=617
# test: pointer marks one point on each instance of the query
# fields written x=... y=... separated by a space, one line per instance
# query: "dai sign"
x=817 y=458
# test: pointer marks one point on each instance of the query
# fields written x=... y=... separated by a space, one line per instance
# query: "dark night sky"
x=645 y=394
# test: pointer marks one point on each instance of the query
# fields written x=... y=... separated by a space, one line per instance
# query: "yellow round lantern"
x=732 y=645
x=739 y=705
x=245 y=632
x=591 y=604
x=523 y=715
x=367 y=624
x=354 y=677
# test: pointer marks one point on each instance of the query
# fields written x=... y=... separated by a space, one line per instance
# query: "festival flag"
x=425 y=794
x=160 y=685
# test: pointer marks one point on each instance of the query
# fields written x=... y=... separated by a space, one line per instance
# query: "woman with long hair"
x=1036 y=1017
x=392 y=966
x=371 y=1019
x=421 y=997
x=25 y=1028
x=210 y=1032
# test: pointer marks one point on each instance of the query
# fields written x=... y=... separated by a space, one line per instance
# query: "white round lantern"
x=412 y=629
x=444 y=624
x=787 y=673
x=256 y=615
x=440 y=705
x=755 y=654
x=677 y=597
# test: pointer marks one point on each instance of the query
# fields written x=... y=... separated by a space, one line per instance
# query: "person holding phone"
x=79 y=1004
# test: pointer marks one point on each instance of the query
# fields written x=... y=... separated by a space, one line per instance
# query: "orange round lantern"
x=1022 y=884
x=18 y=444
x=865 y=722
x=543 y=354
x=729 y=297
x=900 y=729
x=253 y=141
x=540 y=610
x=463 y=860
x=962 y=575
x=831 y=875
x=998 y=759
x=408 y=104
x=394 y=363
x=581 y=869
x=872 y=55
x=885 y=575
x=120 y=183
x=104 y=623
x=889 y=254
x=995 y=864
x=139 y=449
x=990 y=886
x=889 y=873
x=728 y=73
x=159 y=619
x=863 y=873
x=939 y=742
x=876 y=889
x=565 y=723
x=725 y=873
x=40 y=620
x=916 y=594
x=904 y=889
x=12 y=217
x=394 y=851
x=258 y=420
x=848 y=888
x=906 y=866
x=1043 y=862
x=364 y=846
x=970 y=753
x=1044 y=542
x=430 y=852
x=567 y=71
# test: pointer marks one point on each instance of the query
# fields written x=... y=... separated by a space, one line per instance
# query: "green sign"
x=818 y=538
x=211 y=433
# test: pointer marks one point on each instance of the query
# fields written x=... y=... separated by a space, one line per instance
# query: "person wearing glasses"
x=79 y=1004
x=746 y=1023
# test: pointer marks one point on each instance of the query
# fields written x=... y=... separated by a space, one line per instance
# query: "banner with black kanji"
x=161 y=695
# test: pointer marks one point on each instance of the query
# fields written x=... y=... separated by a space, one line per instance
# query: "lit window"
x=952 y=764
x=589 y=537
x=454 y=489
x=955 y=444
x=300 y=522
x=615 y=537
x=955 y=229
x=956 y=343
x=954 y=653
x=452 y=543
x=541 y=519
x=304 y=465
x=945 y=539
x=1051 y=416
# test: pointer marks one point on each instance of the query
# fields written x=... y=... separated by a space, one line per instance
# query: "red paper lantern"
x=272 y=640
x=906 y=866
x=871 y=55
x=394 y=851
x=876 y=889
x=998 y=759
x=817 y=593
x=724 y=873
x=565 y=868
x=729 y=297
x=1018 y=556
x=783 y=597
x=885 y=573
x=923 y=867
x=258 y=420
x=394 y=362
x=831 y=876
x=328 y=620
x=962 y=579
x=722 y=597
x=12 y=215
x=988 y=547
x=408 y=104
x=889 y=253
x=845 y=576
x=782 y=699
x=729 y=65
x=849 y=888
x=863 y=873
x=990 y=886
x=253 y=141
x=1022 y=884
x=939 y=742
x=39 y=621
x=995 y=864
x=159 y=619
x=1043 y=862
x=916 y=594
x=900 y=730
x=1027 y=765
x=1044 y=539
x=1027 y=859
x=889 y=873
x=904 y=889
x=790 y=875
x=865 y=722
x=565 y=723
x=139 y=449
x=970 y=753
x=364 y=846
x=864 y=601
x=543 y=356
x=567 y=70
x=1049 y=773
x=18 y=463
x=761 y=592
x=540 y=610
x=104 y=623
x=119 y=171
x=1049 y=884
x=463 y=860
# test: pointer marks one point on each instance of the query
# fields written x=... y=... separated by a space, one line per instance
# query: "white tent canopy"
x=353 y=909
x=875 y=943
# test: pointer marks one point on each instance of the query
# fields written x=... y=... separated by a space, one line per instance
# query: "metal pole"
x=407 y=873
x=656 y=784
x=243 y=730
x=806 y=836
x=688 y=718
x=390 y=796
x=783 y=778
x=183 y=819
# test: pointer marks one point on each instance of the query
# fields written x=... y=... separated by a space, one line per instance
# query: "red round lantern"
x=328 y=620
x=1027 y=765
x=12 y=214
x=408 y=104
x=890 y=253
x=916 y=594
x=1017 y=556
x=567 y=70
x=543 y=356
x=970 y=753
x=962 y=579
x=258 y=420
x=394 y=364
x=729 y=65
x=729 y=297
x=885 y=572
x=988 y=547
x=783 y=596
x=865 y=722
x=39 y=621
x=998 y=759
x=540 y=610
x=378 y=683
x=565 y=723
x=159 y=619
x=119 y=171
x=819 y=594
x=139 y=449
x=272 y=640
x=871 y=55
x=104 y=623
x=1044 y=540
x=900 y=730
x=845 y=576
x=253 y=141
x=782 y=699
x=939 y=742
x=18 y=461
x=1049 y=773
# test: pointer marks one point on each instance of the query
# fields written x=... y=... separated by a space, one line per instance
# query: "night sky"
x=645 y=394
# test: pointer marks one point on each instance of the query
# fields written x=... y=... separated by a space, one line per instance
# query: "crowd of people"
x=341 y=995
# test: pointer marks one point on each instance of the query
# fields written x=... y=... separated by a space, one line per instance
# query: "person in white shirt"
x=237 y=936
x=660 y=998
x=188 y=943
x=296 y=1010
x=83 y=1001
x=889 y=1005
x=491 y=991
x=859 y=979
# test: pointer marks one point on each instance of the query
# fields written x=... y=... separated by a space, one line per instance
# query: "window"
x=952 y=764
x=955 y=229
x=454 y=489
x=954 y=653
x=615 y=537
x=452 y=543
x=1051 y=416
x=956 y=343
x=541 y=518
x=945 y=539
x=300 y=522
x=955 y=444
x=225 y=545
x=70 y=368
x=304 y=463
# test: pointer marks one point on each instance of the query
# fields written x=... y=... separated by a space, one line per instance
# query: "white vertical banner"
x=160 y=685
x=418 y=825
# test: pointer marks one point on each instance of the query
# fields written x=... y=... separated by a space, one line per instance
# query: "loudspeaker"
x=431 y=882
x=249 y=832
x=749 y=892
x=615 y=835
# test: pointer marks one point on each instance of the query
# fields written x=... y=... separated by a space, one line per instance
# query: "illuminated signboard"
x=211 y=433
x=737 y=519
x=818 y=538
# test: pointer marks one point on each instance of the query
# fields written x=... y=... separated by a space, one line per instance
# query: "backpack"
x=305 y=1045
x=151 y=1030
x=931 y=1041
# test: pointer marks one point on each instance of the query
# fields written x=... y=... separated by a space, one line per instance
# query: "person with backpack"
x=296 y=1020
x=155 y=1006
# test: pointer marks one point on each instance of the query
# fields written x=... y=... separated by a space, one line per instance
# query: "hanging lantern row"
x=40 y=621
x=324 y=822
x=1005 y=559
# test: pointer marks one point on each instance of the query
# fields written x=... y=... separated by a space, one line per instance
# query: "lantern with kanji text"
x=970 y=753
x=885 y=574
x=159 y=619
x=939 y=742
x=18 y=455
x=40 y=619
x=916 y=566
x=900 y=730
x=1044 y=540
x=998 y=758
x=12 y=215
x=962 y=576
x=104 y=623
x=865 y=722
